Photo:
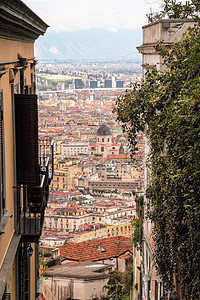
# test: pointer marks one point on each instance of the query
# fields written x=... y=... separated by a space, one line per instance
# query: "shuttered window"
x=2 y=200
x=26 y=126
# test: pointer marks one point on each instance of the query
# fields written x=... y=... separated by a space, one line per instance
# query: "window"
x=2 y=196
x=102 y=149
x=102 y=140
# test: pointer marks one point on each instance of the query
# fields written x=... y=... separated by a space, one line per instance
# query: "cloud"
x=112 y=29
x=67 y=15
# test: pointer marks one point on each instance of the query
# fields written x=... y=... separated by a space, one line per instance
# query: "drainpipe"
x=22 y=64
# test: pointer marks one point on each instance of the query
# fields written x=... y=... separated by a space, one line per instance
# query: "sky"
x=72 y=15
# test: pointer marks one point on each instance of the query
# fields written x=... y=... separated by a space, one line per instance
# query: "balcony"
x=32 y=199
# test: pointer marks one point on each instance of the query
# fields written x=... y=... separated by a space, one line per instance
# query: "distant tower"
x=78 y=84
x=119 y=84
x=121 y=149
x=93 y=84
x=108 y=83
x=104 y=140
x=113 y=82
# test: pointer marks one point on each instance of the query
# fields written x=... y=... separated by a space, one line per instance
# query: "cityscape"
x=99 y=150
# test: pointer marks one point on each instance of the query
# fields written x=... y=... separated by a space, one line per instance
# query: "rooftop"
x=82 y=270
x=95 y=250
x=103 y=130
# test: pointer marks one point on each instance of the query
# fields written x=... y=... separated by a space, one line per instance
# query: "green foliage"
x=167 y=108
x=177 y=10
x=43 y=264
x=137 y=231
x=115 y=286
x=128 y=276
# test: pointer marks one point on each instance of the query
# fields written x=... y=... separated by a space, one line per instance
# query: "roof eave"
x=18 y=22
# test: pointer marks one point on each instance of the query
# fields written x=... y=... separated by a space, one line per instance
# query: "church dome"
x=103 y=130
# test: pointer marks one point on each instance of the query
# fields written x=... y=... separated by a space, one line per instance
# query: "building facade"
x=168 y=31
x=26 y=166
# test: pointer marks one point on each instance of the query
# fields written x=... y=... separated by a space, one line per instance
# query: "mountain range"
x=89 y=44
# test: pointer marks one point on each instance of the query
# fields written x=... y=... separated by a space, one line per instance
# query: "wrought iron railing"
x=46 y=151
x=6 y=296
x=32 y=200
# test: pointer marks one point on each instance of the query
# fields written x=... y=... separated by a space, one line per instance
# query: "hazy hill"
x=89 y=44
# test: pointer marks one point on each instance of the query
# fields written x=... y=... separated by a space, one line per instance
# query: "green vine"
x=167 y=108
x=43 y=264
x=137 y=231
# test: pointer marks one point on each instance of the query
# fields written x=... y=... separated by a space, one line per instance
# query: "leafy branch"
x=166 y=106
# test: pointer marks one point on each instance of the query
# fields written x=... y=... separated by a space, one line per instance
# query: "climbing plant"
x=166 y=106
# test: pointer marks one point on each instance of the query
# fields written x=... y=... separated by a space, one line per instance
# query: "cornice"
x=18 y=22
x=168 y=21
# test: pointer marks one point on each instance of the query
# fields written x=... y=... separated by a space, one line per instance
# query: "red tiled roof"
x=126 y=255
x=87 y=251
x=119 y=156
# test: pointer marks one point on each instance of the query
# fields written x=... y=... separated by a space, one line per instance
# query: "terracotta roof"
x=90 y=250
x=119 y=156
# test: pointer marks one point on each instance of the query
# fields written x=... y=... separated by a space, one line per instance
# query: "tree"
x=166 y=106
x=177 y=10
x=115 y=287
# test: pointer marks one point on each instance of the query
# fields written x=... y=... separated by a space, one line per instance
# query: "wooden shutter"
x=2 y=204
x=26 y=124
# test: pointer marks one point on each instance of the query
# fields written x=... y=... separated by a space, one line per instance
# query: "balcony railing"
x=6 y=296
x=32 y=200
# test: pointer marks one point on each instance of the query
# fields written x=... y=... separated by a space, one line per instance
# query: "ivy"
x=166 y=107
x=137 y=231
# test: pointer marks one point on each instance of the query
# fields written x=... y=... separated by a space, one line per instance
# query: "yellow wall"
x=9 y=51
x=109 y=231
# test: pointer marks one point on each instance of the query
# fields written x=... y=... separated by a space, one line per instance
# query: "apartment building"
x=26 y=168
x=121 y=229
x=71 y=219
x=75 y=148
